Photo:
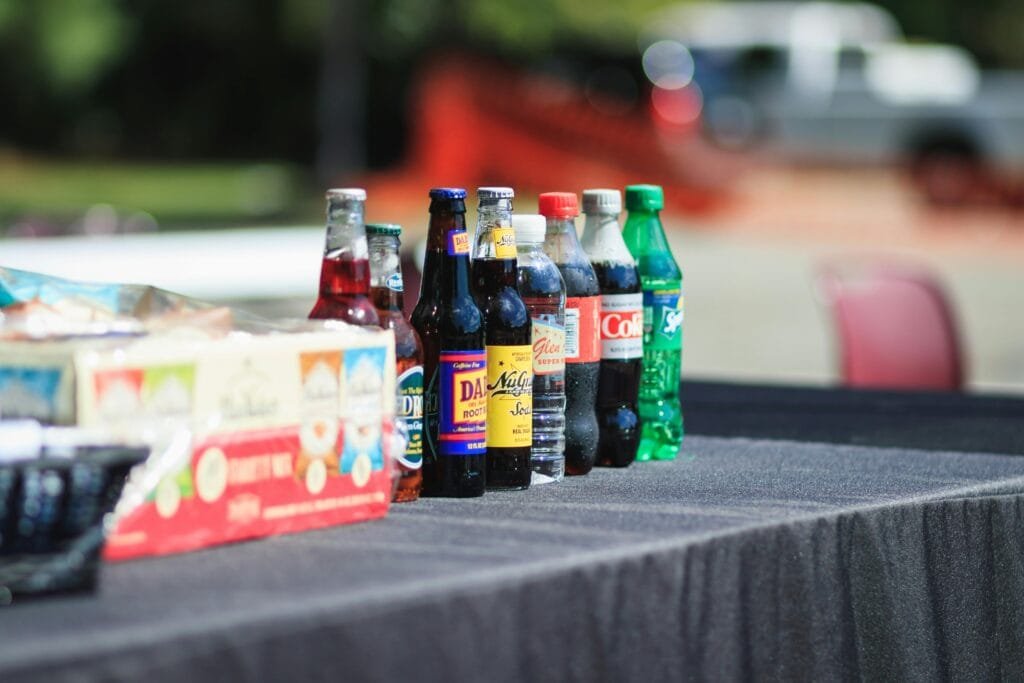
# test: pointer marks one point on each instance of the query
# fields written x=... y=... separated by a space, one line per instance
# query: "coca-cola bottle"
x=345 y=270
x=582 y=341
x=621 y=328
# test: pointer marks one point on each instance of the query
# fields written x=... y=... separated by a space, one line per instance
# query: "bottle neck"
x=446 y=273
x=561 y=242
x=495 y=239
x=602 y=239
x=386 y=284
x=346 y=230
x=644 y=233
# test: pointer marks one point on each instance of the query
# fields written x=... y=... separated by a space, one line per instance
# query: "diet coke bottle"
x=621 y=327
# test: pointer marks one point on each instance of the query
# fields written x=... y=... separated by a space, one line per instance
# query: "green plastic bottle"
x=660 y=413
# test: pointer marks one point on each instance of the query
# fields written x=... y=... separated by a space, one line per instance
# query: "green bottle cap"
x=392 y=229
x=644 y=198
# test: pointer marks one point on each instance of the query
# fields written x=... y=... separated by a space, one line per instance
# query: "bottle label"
x=548 y=347
x=458 y=243
x=463 y=403
x=509 y=396
x=410 y=411
x=394 y=282
x=622 y=326
x=663 y=319
x=582 y=335
x=504 y=243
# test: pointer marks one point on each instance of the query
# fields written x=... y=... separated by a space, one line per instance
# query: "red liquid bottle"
x=345 y=271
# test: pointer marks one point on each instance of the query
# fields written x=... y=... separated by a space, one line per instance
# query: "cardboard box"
x=254 y=434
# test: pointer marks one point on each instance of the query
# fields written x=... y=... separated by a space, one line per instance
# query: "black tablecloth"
x=760 y=559
x=908 y=419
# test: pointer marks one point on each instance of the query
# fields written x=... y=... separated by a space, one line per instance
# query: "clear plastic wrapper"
x=257 y=427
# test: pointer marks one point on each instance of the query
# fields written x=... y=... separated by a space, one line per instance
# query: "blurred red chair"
x=894 y=325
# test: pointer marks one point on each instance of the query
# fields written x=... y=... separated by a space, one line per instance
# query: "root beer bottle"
x=582 y=338
x=454 y=361
x=507 y=337
x=386 y=289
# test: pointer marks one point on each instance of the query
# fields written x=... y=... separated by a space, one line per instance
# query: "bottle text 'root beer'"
x=454 y=359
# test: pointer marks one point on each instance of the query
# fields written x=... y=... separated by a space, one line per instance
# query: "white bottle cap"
x=530 y=227
x=602 y=201
x=356 y=193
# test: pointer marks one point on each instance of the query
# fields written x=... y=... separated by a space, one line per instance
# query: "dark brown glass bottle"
x=386 y=291
x=454 y=361
x=507 y=332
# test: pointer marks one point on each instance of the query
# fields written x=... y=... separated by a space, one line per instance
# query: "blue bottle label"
x=462 y=399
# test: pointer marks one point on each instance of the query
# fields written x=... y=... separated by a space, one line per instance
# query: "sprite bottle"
x=661 y=416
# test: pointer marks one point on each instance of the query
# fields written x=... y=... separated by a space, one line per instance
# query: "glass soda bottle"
x=386 y=291
x=543 y=292
x=454 y=361
x=660 y=413
x=582 y=341
x=621 y=328
x=345 y=270
x=507 y=338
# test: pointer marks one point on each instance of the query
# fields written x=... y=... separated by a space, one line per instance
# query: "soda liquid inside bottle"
x=660 y=411
x=582 y=341
x=621 y=329
x=386 y=292
x=345 y=269
x=507 y=337
x=543 y=292
x=454 y=360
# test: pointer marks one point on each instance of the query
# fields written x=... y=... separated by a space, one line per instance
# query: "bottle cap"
x=644 y=198
x=530 y=227
x=602 y=201
x=495 y=193
x=356 y=193
x=447 y=193
x=391 y=229
x=558 y=205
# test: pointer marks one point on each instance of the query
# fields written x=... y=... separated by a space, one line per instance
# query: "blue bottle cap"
x=447 y=193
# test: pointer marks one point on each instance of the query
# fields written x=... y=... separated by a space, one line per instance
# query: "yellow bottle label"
x=504 y=243
x=509 y=396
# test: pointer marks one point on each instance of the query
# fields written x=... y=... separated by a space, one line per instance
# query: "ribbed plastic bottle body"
x=661 y=279
x=543 y=292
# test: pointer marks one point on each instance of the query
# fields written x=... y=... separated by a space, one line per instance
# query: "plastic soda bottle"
x=345 y=270
x=507 y=338
x=386 y=291
x=622 y=328
x=582 y=340
x=543 y=292
x=454 y=360
x=660 y=413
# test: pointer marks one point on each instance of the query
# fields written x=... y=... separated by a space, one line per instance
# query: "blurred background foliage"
x=193 y=79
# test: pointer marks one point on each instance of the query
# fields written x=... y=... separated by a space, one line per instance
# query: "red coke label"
x=582 y=336
x=622 y=326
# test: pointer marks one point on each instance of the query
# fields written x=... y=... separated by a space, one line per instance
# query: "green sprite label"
x=663 y=317
x=410 y=411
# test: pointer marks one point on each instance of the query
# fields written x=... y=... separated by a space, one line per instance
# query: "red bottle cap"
x=558 y=205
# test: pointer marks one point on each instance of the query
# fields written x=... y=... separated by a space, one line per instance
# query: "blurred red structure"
x=475 y=122
x=894 y=325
